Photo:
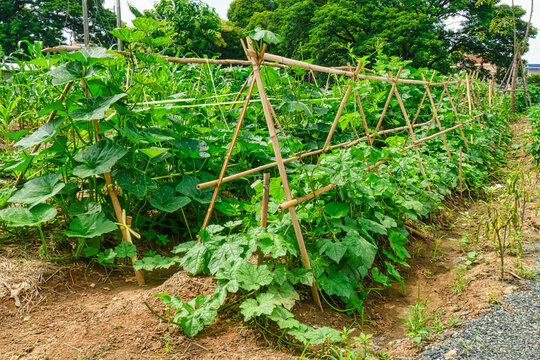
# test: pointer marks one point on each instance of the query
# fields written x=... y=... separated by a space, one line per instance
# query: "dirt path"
x=76 y=312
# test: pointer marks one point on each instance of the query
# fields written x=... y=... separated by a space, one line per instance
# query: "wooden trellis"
x=467 y=95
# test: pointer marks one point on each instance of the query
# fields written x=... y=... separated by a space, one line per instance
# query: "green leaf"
x=397 y=242
x=360 y=249
x=167 y=199
x=152 y=152
x=224 y=255
x=264 y=305
x=44 y=133
x=90 y=225
x=138 y=186
x=321 y=335
x=128 y=35
x=194 y=260
x=66 y=72
x=379 y=277
x=252 y=277
x=183 y=247
x=150 y=263
x=96 y=107
x=95 y=52
x=266 y=35
x=98 y=158
x=19 y=216
x=285 y=295
x=188 y=187
x=392 y=271
x=107 y=256
x=372 y=226
x=337 y=209
x=125 y=249
x=333 y=249
x=145 y=24
x=38 y=189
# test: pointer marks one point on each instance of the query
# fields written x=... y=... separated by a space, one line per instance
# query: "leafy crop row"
x=164 y=128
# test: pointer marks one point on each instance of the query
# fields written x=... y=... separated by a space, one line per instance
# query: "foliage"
x=412 y=30
x=195 y=28
x=162 y=129
x=48 y=20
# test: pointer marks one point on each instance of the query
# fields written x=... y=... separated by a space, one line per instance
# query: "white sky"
x=221 y=6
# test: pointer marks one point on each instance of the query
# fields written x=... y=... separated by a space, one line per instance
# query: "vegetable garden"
x=135 y=159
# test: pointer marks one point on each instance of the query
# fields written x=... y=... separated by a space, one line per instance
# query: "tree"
x=326 y=30
x=49 y=20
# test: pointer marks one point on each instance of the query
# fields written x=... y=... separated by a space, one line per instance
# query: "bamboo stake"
x=294 y=202
x=364 y=122
x=281 y=168
x=390 y=95
x=119 y=213
x=241 y=91
x=469 y=102
x=339 y=112
x=228 y=156
x=411 y=132
x=420 y=107
x=264 y=209
x=51 y=117
x=456 y=114
x=461 y=173
x=346 y=144
x=436 y=116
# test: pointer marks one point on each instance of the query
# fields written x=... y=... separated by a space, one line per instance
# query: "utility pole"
x=119 y=24
x=85 y=22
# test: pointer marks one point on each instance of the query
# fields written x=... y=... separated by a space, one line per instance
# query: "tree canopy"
x=50 y=20
x=328 y=30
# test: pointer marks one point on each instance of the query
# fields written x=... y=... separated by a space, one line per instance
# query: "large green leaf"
x=361 y=249
x=129 y=35
x=397 y=242
x=145 y=24
x=95 y=107
x=125 y=249
x=44 y=133
x=193 y=261
x=66 y=72
x=90 y=225
x=188 y=187
x=138 y=186
x=333 y=249
x=38 y=189
x=264 y=304
x=252 y=277
x=19 y=216
x=98 y=158
x=224 y=255
x=265 y=35
x=336 y=209
x=167 y=199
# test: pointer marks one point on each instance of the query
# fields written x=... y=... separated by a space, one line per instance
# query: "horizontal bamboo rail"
x=294 y=202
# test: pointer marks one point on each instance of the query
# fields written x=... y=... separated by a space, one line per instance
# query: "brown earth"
x=78 y=311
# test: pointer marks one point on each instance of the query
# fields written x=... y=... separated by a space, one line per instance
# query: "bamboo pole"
x=339 y=112
x=436 y=116
x=301 y=156
x=411 y=132
x=469 y=102
x=119 y=213
x=254 y=60
x=228 y=155
x=51 y=117
x=264 y=210
x=461 y=173
x=456 y=114
x=294 y=202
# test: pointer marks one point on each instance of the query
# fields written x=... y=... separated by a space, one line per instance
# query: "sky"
x=221 y=6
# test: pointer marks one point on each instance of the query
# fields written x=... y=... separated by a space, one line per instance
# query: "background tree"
x=50 y=20
x=198 y=28
x=415 y=30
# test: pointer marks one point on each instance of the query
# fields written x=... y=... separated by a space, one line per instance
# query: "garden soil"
x=79 y=311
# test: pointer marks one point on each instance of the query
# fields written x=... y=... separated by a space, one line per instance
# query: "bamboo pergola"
x=468 y=95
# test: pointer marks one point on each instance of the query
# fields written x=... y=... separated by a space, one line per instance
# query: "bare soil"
x=78 y=311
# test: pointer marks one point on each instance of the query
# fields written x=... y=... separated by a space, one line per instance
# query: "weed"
x=455 y=321
x=460 y=282
x=418 y=319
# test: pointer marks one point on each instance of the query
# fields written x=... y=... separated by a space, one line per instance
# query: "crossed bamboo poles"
x=257 y=58
x=466 y=95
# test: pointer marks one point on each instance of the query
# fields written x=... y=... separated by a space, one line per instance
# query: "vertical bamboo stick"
x=264 y=209
x=461 y=173
x=228 y=156
x=390 y=95
x=436 y=116
x=469 y=102
x=411 y=132
x=339 y=112
x=455 y=113
x=281 y=167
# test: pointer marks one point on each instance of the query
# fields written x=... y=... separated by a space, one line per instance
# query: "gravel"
x=511 y=331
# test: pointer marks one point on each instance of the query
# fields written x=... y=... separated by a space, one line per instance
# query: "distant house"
x=533 y=69
x=478 y=62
